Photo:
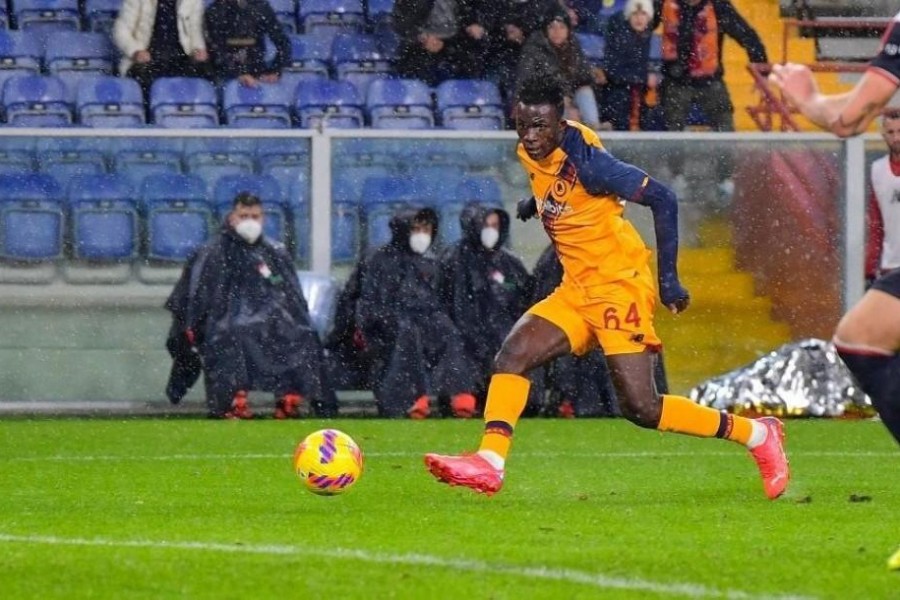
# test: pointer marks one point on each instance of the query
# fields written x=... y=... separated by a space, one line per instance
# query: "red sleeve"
x=875 y=237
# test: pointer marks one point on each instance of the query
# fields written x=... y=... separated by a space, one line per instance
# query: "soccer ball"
x=328 y=462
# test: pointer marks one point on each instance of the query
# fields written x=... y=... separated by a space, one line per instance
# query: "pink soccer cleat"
x=771 y=460
x=469 y=470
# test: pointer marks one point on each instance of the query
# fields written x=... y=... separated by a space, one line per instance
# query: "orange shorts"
x=617 y=316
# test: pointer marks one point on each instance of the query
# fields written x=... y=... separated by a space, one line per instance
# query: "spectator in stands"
x=554 y=51
x=440 y=39
x=236 y=32
x=161 y=38
x=417 y=351
x=511 y=22
x=883 y=214
x=486 y=289
x=626 y=72
x=238 y=310
x=692 y=35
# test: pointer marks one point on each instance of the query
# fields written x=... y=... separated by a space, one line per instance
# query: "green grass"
x=203 y=509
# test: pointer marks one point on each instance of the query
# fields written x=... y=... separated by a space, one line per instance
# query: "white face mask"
x=419 y=242
x=249 y=229
x=489 y=237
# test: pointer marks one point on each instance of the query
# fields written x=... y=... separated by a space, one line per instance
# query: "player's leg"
x=550 y=329
x=640 y=403
x=868 y=340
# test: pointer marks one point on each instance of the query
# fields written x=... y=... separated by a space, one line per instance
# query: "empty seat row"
x=104 y=218
x=185 y=102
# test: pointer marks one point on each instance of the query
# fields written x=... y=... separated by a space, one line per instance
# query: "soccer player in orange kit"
x=607 y=297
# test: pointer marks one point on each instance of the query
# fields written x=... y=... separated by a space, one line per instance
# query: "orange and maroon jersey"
x=580 y=190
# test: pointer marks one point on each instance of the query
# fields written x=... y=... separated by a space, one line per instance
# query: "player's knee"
x=512 y=358
x=643 y=413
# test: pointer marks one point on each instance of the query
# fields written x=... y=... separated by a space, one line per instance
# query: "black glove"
x=673 y=295
x=526 y=208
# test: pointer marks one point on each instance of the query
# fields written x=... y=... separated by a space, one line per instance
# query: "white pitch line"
x=596 y=580
x=257 y=456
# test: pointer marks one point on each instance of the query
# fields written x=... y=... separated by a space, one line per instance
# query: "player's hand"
x=795 y=81
x=673 y=295
x=526 y=208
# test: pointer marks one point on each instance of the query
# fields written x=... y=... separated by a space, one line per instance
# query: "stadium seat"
x=399 y=104
x=20 y=54
x=136 y=158
x=287 y=160
x=309 y=54
x=178 y=217
x=101 y=14
x=379 y=14
x=593 y=46
x=79 y=52
x=213 y=158
x=31 y=218
x=36 y=101
x=17 y=154
x=470 y=104
x=655 y=49
x=482 y=189
x=345 y=227
x=184 y=102
x=358 y=59
x=265 y=188
x=286 y=12
x=265 y=106
x=329 y=17
x=4 y=16
x=381 y=197
x=388 y=43
x=103 y=218
x=353 y=178
x=65 y=158
x=328 y=103
x=46 y=16
x=109 y=101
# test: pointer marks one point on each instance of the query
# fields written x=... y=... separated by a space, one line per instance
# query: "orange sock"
x=680 y=415
x=506 y=399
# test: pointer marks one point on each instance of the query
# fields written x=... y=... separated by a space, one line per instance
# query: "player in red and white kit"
x=883 y=213
x=868 y=336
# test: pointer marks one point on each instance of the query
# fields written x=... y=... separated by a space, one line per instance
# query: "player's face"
x=890 y=131
x=539 y=128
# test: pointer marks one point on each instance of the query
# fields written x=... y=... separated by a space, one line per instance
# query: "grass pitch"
x=592 y=508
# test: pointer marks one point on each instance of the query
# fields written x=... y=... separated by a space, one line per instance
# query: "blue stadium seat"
x=329 y=17
x=136 y=158
x=109 y=101
x=286 y=12
x=352 y=179
x=31 y=218
x=345 y=230
x=483 y=189
x=79 y=52
x=4 y=16
x=328 y=103
x=36 y=101
x=381 y=197
x=655 y=49
x=184 y=102
x=399 y=104
x=287 y=160
x=178 y=217
x=65 y=158
x=265 y=106
x=20 y=54
x=357 y=58
x=103 y=218
x=309 y=54
x=593 y=46
x=17 y=154
x=101 y=14
x=46 y=16
x=213 y=158
x=379 y=14
x=608 y=8
x=470 y=104
x=388 y=43
x=265 y=188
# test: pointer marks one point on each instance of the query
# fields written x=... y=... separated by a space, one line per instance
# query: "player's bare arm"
x=844 y=115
